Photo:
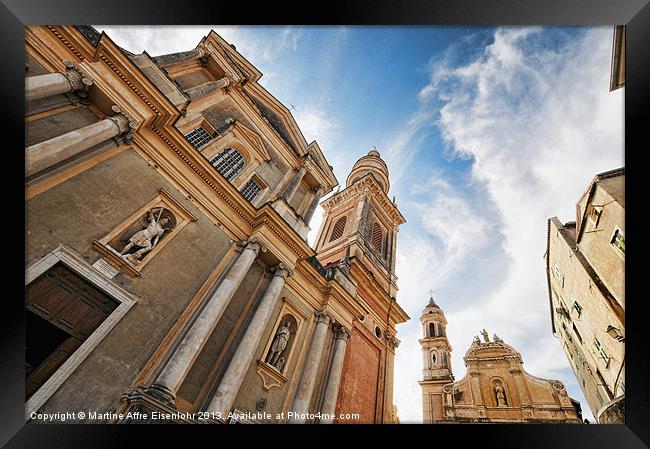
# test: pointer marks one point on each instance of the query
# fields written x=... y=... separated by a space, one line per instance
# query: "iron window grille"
x=228 y=162
x=251 y=190
x=198 y=137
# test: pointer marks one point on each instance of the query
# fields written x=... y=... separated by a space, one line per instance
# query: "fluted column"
x=171 y=377
x=58 y=149
x=43 y=86
x=314 y=203
x=234 y=376
x=334 y=380
x=308 y=379
x=293 y=185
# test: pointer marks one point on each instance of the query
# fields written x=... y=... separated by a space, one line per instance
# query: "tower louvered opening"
x=339 y=227
x=377 y=237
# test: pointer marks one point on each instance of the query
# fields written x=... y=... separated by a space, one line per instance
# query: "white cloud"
x=537 y=123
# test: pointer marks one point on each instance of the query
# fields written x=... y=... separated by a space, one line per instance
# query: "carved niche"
x=136 y=240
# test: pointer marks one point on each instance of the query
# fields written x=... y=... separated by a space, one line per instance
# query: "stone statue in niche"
x=159 y=221
x=500 y=396
x=280 y=342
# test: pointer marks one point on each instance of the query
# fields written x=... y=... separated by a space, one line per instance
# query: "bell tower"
x=436 y=357
x=362 y=222
x=358 y=235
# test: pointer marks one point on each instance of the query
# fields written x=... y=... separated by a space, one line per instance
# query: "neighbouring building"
x=168 y=202
x=585 y=269
x=617 y=72
x=495 y=388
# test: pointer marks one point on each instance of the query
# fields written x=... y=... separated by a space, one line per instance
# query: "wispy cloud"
x=534 y=116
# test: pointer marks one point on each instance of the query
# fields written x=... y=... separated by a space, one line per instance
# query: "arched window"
x=228 y=162
x=339 y=227
x=377 y=237
x=432 y=330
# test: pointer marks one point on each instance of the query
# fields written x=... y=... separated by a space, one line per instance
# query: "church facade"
x=168 y=202
x=495 y=388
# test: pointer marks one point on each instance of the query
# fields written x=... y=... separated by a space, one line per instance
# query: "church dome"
x=371 y=163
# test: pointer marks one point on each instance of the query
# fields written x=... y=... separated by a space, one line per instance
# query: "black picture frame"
x=15 y=14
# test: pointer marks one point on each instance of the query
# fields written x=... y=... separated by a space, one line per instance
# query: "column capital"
x=281 y=270
x=322 y=316
x=253 y=244
x=78 y=77
x=341 y=333
x=124 y=121
x=515 y=370
x=302 y=169
x=474 y=373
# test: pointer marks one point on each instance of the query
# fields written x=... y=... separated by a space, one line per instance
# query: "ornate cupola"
x=373 y=164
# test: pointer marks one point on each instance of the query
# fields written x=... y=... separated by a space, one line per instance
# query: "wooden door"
x=63 y=310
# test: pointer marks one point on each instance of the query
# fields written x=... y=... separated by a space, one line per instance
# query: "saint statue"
x=146 y=239
x=485 y=336
x=278 y=346
x=497 y=339
x=477 y=341
x=501 y=397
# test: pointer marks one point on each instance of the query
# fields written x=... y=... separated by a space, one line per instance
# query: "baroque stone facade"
x=495 y=388
x=585 y=269
x=167 y=268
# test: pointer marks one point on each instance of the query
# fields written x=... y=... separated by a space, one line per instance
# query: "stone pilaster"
x=45 y=154
x=294 y=183
x=391 y=344
x=171 y=377
x=334 y=380
x=234 y=375
x=307 y=381
x=314 y=203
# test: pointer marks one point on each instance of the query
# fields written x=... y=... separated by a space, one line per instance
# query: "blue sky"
x=487 y=132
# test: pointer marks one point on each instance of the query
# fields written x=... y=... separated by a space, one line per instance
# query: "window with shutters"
x=228 y=162
x=377 y=237
x=198 y=137
x=339 y=227
x=251 y=190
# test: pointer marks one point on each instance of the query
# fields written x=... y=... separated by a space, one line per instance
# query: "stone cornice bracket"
x=341 y=333
x=391 y=340
x=203 y=54
x=322 y=316
x=125 y=123
x=255 y=245
x=79 y=79
x=281 y=270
